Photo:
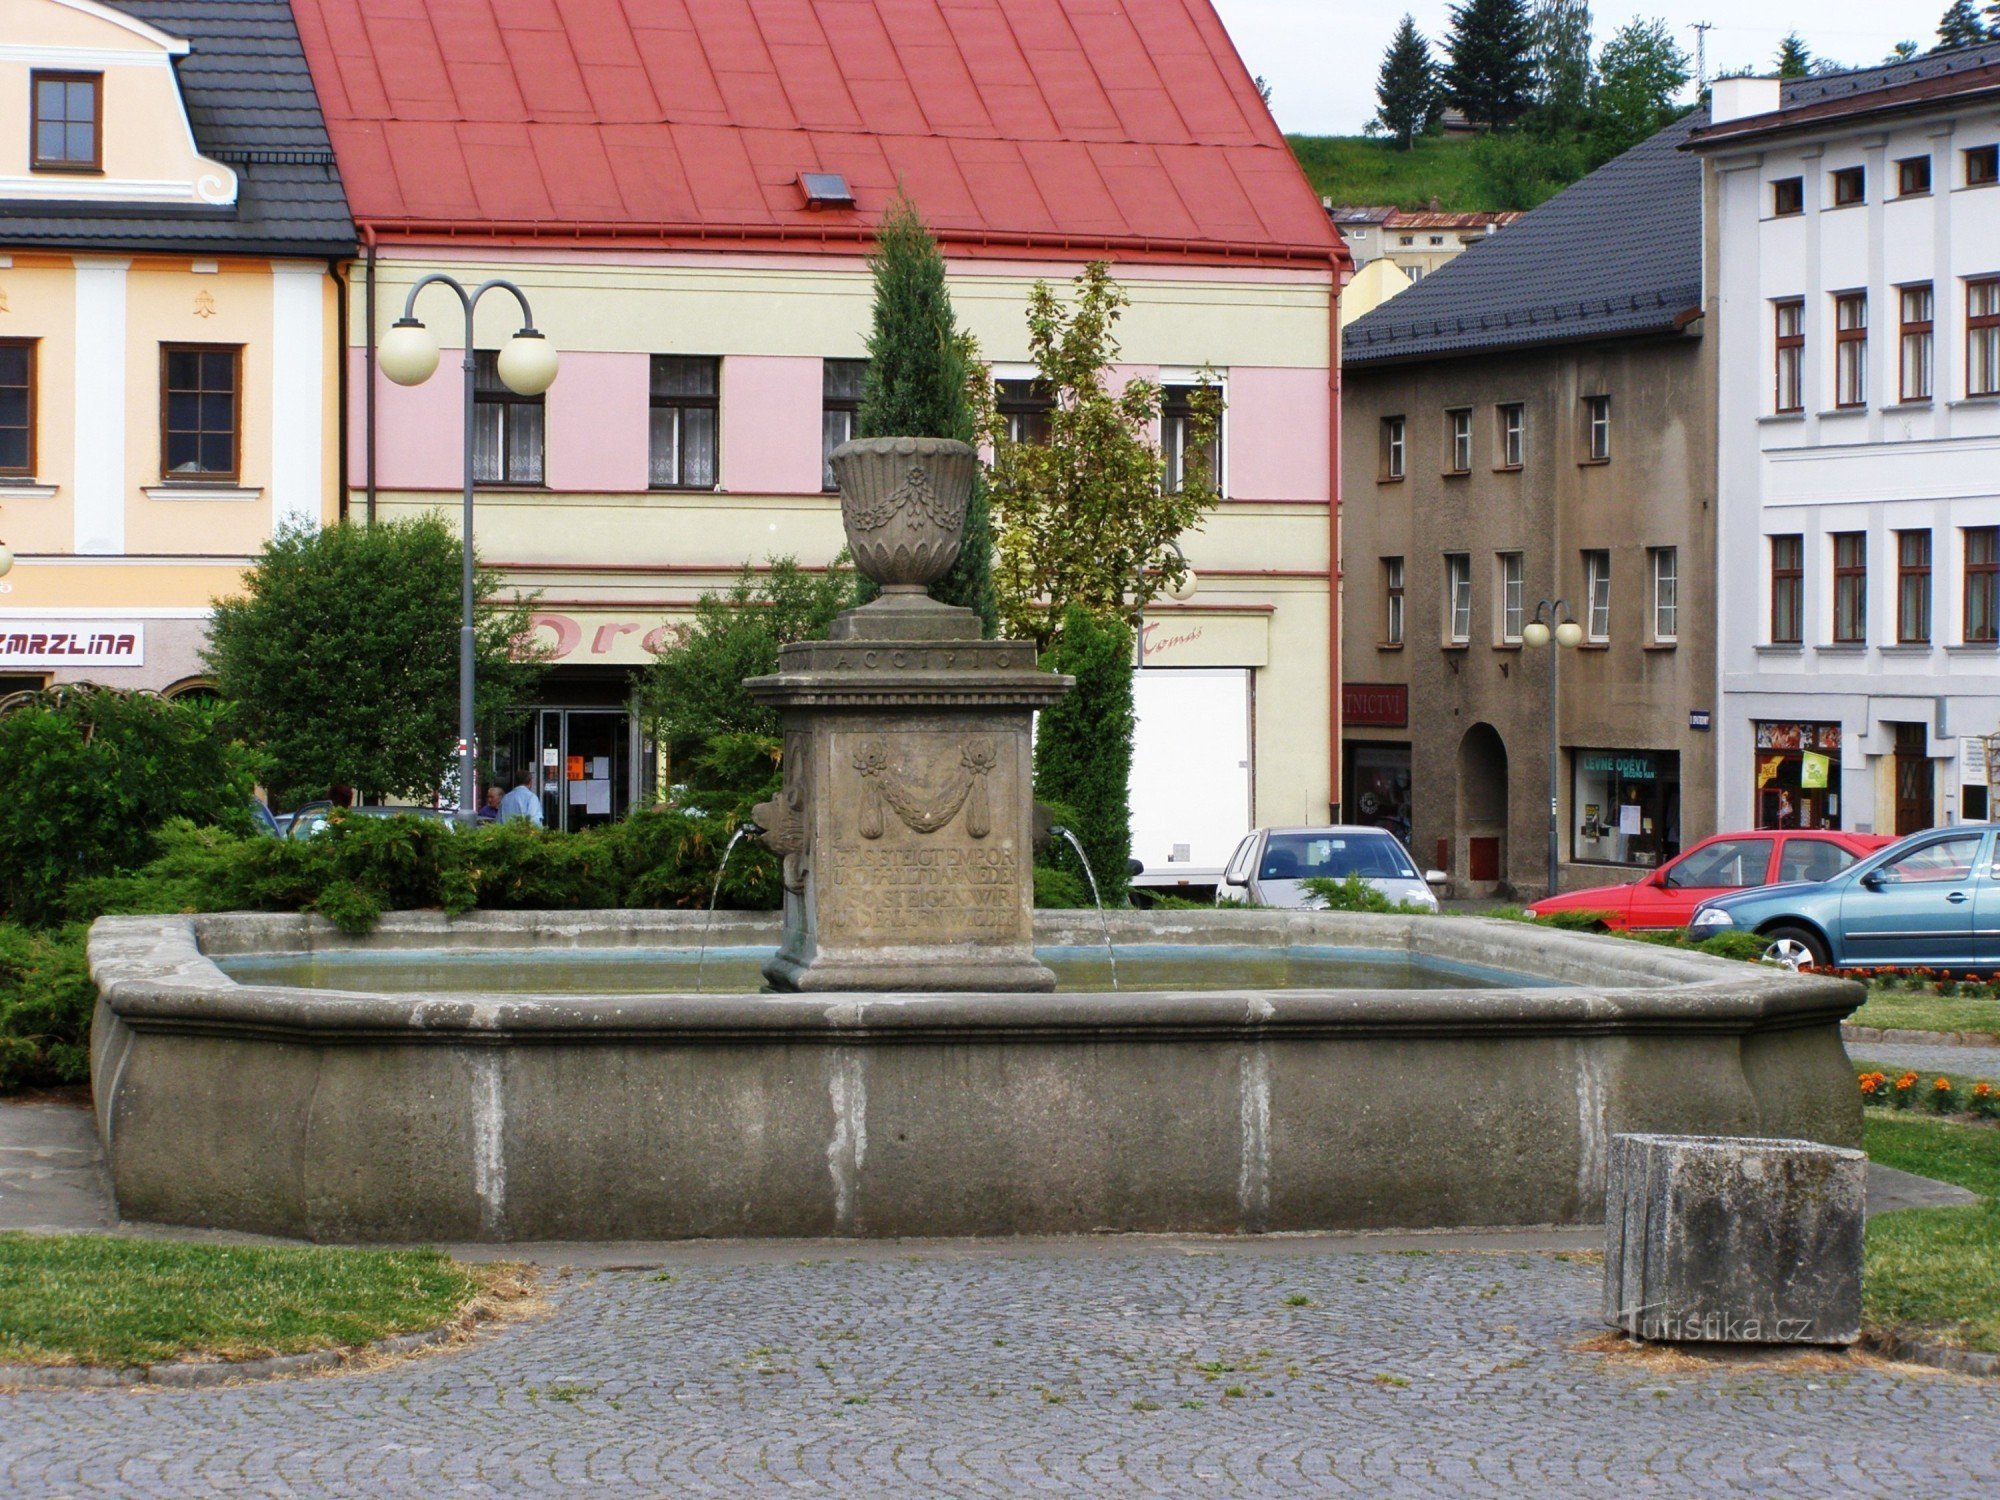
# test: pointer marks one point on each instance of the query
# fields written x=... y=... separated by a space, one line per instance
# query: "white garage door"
x=1190 y=765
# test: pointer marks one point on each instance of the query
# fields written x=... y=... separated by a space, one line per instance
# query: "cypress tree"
x=1961 y=26
x=1406 y=90
x=1083 y=747
x=920 y=369
x=1794 y=57
x=1490 y=75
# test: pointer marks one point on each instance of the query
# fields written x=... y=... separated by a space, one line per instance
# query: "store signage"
x=1186 y=638
x=72 y=643
x=1698 y=719
x=1824 y=738
x=1624 y=767
x=1375 y=705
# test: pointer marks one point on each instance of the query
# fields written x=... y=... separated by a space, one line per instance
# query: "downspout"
x=1333 y=568
x=340 y=270
x=368 y=370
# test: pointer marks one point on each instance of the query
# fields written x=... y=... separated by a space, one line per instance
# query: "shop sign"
x=1973 y=766
x=1812 y=770
x=72 y=643
x=600 y=638
x=1824 y=738
x=1183 y=638
x=1375 y=705
x=1624 y=767
x=1698 y=719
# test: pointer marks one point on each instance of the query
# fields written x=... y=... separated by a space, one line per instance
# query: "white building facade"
x=1854 y=276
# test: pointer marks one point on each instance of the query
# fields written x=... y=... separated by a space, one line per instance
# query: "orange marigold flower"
x=1943 y=1086
x=1907 y=1081
x=1982 y=1090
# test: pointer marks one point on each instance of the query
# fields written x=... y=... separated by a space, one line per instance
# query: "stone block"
x=1719 y=1239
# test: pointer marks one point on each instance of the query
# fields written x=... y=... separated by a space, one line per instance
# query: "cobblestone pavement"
x=1977 y=1062
x=1150 y=1370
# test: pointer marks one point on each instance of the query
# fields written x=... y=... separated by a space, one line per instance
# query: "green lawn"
x=86 y=1299
x=1911 y=1011
x=1937 y=1269
x=1355 y=169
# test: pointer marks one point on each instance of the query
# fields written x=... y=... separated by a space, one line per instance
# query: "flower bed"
x=1941 y=1095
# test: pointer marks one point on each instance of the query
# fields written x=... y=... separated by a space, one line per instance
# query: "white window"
x=1510 y=597
x=1597 y=595
x=1512 y=421
x=1666 y=593
x=1458 y=597
x=1392 y=447
x=1392 y=601
x=1597 y=427
x=1850 y=333
x=1458 y=436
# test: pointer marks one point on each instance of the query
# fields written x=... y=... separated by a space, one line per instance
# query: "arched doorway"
x=1481 y=829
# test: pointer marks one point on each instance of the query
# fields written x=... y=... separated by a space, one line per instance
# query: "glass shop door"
x=585 y=766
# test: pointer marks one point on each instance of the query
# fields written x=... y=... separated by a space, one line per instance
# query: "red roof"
x=1092 y=125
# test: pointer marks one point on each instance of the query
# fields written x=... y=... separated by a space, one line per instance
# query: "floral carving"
x=924 y=809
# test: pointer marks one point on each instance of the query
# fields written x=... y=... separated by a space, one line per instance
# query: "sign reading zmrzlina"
x=72 y=643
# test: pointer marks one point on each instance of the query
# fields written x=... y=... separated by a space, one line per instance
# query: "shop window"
x=1513 y=418
x=1850 y=355
x=1850 y=587
x=1915 y=351
x=17 y=407
x=1458 y=441
x=1179 y=405
x=1790 y=320
x=1982 y=585
x=1788 y=590
x=508 y=428
x=1982 y=337
x=1982 y=166
x=1597 y=595
x=1025 y=404
x=1797 y=775
x=1392 y=447
x=69 y=122
x=1597 y=428
x=1510 y=598
x=1850 y=186
x=1458 y=598
x=1788 y=196
x=1392 y=601
x=1626 y=806
x=1380 y=794
x=198 y=405
x=839 y=405
x=1913 y=588
x=1913 y=176
x=1666 y=567
x=686 y=415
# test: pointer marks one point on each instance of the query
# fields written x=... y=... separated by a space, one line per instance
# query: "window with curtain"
x=1913 y=587
x=507 y=428
x=1597 y=428
x=1458 y=598
x=1458 y=441
x=1982 y=337
x=1916 y=349
x=1513 y=422
x=1392 y=601
x=1982 y=585
x=1788 y=581
x=686 y=407
x=1850 y=587
x=1392 y=447
x=1597 y=595
x=1511 y=606
x=1177 y=407
x=1025 y=404
x=1791 y=335
x=1666 y=594
x=1850 y=332
x=839 y=406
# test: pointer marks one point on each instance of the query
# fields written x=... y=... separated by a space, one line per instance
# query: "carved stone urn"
x=902 y=500
x=906 y=821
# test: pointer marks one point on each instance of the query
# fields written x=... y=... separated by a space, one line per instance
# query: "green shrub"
x=1059 y=888
x=90 y=773
x=45 y=1003
x=1083 y=749
x=1352 y=893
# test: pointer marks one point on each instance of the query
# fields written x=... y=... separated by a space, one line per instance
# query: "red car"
x=1726 y=862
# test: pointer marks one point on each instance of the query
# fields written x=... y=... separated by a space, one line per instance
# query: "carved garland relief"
x=924 y=805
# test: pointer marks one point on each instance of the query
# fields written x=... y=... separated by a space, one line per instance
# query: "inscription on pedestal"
x=934 y=892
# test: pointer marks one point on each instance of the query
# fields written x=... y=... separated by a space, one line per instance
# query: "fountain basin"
x=344 y=1114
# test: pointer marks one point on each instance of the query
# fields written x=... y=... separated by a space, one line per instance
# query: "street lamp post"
x=1180 y=588
x=1553 y=623
x=408 y=355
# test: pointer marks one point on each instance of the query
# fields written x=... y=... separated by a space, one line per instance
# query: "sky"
x=1321 y=56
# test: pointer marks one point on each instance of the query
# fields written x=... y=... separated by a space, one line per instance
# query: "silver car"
x=1271 y=865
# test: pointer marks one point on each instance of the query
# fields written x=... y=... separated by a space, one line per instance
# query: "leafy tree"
x=1489 y=74
x=1795 y=59
x=1407 y=90
x=1083 y=747
x=1640 y=73
x=1961 y=26
x=1084 y=517
x=340 y=657
x=921 y=368
x=92 y=773
x=1561 y=30
x=692 y=696
x=1520 y=169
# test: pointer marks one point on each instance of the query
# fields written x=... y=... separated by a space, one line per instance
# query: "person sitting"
x=489 y=810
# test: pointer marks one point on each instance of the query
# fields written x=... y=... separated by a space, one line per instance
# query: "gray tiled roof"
x=252 y=105
x=1617 y=253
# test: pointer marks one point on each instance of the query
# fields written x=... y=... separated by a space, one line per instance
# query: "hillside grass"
x=1356 y=169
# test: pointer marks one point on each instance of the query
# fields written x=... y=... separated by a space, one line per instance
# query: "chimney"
x=1737 y=98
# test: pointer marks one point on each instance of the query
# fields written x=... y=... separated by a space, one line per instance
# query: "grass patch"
x=1937 y=1269
x=1356 y=169
x=95 y=1300
x=1912 y=1010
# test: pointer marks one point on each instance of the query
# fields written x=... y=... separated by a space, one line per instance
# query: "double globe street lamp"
x=1553 y=622
x=408 y=355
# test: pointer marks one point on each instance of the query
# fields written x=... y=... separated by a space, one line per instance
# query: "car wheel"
x=1795 y=948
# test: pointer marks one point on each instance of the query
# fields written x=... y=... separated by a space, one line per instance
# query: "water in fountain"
x=1091 y=876
x=716 y=895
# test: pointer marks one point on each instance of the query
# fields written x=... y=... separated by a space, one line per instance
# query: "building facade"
x=169 y=312
x=1415 y=241
x=1530 y=431
x=711 y=307
x=1855 y=240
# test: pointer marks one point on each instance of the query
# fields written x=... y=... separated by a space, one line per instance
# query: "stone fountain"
x=906 y=818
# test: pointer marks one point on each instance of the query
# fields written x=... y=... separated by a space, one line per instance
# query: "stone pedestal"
x=1713 y=1239
x=907 y=810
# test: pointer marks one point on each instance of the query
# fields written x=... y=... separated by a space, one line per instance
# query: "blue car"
x=1930 y=901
